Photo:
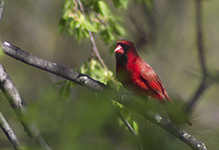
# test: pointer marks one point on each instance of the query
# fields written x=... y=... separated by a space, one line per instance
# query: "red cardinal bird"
x=137 y=76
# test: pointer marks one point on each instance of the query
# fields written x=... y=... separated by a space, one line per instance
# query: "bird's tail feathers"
x=176 y=115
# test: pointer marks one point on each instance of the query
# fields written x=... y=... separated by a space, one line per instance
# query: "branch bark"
x=20 y=108
x=10 y=133
x=97 y=86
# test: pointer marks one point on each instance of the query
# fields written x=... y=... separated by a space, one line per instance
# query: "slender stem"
x=200 y=44
x=94 y=47
x=95 y=50
x=200 y=37
x=127 y=124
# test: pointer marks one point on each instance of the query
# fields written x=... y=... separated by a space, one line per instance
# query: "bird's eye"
x=125 y=47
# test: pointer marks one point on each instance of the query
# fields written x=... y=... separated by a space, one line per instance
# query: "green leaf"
x=121 y=31
x=87 y=25
x=86 y=34
x=67 y=4
x=121 y=3
x=110 y=34
x=116 y=3
x=62 y=25
x=77 y=24
x=60 y=82
x=112 y=47
x=150 y=3
x=72 y=24
x=104 y=9
x=135 y=127
x=118 y=18
x=79 y=34
x=73 y=84
x=65 y=90
x=65 y=15
x=124 y=3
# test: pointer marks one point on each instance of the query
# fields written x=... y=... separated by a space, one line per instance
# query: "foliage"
x=80 y=17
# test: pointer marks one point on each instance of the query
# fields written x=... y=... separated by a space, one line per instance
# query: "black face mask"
x=122 y=58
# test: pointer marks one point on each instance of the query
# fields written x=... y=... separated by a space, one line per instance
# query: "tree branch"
x=19 y=106
x=92 y=84
x=199 y=33
x=200 y=45
x=10 y=133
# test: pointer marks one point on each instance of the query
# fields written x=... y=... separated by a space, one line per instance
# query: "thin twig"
x=94 y=47
x=10 y=133
x=101 y=20
x=90 y=83
x=1 y=9
x=202 y=87
x=200 y=37
x=95 y=50
x=127 y=124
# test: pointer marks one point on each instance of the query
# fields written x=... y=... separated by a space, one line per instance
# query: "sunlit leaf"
x=121 y=31
x=67 y=4
x=79 y=34
x=89 y=26
x=65 y=15
x=104 y=9
x=135 y=127
x=124 y=3
x=110 y=34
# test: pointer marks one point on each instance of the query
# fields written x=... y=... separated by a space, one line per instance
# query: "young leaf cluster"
x=81 y=17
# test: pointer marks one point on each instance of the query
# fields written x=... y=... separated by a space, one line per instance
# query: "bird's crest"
x=125 y=43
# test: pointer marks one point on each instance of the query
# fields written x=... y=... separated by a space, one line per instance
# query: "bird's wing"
x=150 y=78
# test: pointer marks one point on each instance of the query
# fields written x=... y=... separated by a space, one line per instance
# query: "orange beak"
x=119 y=49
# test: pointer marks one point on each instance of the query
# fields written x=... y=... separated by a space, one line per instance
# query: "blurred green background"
x=165 y=39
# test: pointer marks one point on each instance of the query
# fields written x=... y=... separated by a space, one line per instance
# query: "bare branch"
x=10 y=133
x=90 y=83
x=200 y=90
x=19 y=105
x=200 y=45
x=200 y=37
x=95 y=50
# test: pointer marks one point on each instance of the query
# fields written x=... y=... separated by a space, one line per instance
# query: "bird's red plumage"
x=136 y=75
